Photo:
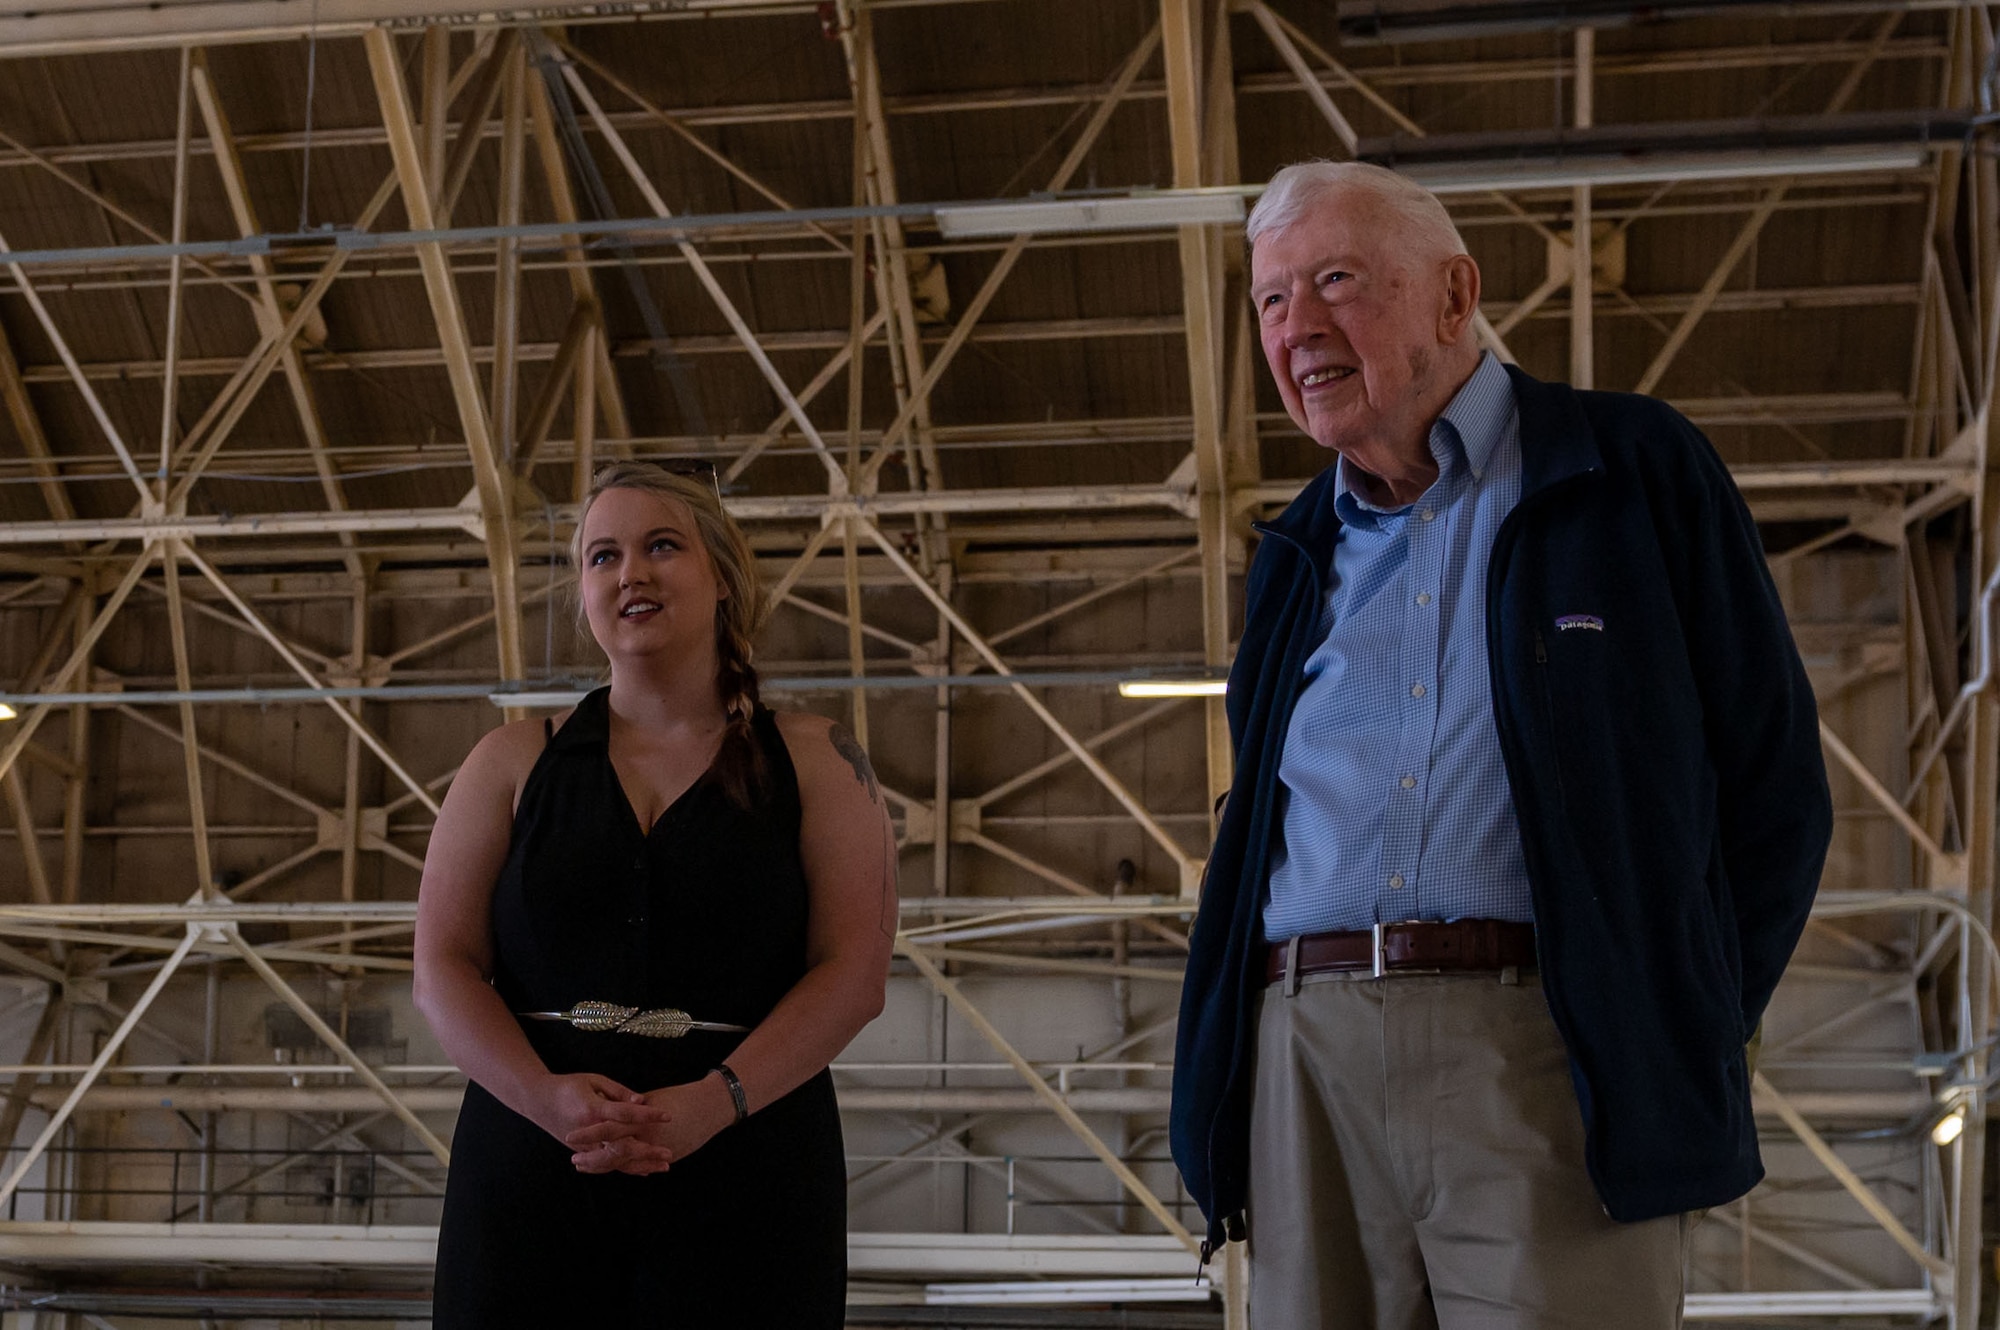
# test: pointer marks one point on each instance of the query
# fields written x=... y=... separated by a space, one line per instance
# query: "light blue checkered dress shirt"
x=1396 y=803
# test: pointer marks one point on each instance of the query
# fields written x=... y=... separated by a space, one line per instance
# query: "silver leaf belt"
x=610 y=1018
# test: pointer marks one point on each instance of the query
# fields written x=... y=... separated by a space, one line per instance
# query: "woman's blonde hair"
x=739 y=766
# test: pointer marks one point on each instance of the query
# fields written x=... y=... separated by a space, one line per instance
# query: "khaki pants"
x=1416 y=1163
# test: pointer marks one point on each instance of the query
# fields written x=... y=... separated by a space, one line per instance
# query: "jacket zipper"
x=1503 y=542
x=1549 y=705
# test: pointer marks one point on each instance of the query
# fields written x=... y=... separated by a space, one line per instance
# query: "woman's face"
x=647 y=583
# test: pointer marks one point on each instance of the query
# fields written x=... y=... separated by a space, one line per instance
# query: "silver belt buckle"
x=1375 y=934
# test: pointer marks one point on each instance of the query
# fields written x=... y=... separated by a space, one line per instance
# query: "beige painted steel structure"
x=429 y=587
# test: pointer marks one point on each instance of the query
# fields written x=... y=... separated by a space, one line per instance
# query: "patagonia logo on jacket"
x=1565 y=622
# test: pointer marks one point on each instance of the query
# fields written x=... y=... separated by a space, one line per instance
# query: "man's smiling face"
x=1353 y=317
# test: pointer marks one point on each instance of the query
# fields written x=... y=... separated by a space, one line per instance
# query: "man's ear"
x=1461 y=299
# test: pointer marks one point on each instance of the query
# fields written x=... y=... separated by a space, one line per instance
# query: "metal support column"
x=1202 y=287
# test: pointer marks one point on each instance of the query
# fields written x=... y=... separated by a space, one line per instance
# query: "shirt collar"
x=1479 y=412
x=1462 y=439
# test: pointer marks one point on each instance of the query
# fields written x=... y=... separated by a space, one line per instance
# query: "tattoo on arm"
x=850 y=749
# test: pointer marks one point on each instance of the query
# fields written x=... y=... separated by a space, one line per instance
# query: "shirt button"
x=1427 y=514
x=1409 y=782
x=1395 y=881
x=1423 y=598
x=1417 y=690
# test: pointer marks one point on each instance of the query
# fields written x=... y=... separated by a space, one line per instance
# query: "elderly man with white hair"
x=1529 y=810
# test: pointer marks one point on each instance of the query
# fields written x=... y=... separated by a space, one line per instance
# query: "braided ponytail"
x=739 y=765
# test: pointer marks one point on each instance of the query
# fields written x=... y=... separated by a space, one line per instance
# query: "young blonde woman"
x=669 y=846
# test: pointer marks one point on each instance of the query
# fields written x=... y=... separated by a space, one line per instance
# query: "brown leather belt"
x=1461 y=945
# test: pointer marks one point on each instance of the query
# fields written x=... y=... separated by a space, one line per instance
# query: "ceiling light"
x=1047 y=1292
x=7 y=712
x=531 y=699
x=1479 y=177
x=1173 y=688
x=1366 y=22
x=1149 y=211
x=1948 y=1128
x=980 y=932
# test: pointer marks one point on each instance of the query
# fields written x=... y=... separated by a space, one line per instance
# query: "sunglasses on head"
x=694 y=468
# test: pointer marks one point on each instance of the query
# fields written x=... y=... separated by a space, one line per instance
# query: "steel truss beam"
x=1790 y=476
x=1402 y=74
x=495 y=482
x=269 y=310
x=1763 y=299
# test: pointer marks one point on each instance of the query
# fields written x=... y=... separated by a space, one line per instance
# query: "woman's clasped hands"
x=612 y=1129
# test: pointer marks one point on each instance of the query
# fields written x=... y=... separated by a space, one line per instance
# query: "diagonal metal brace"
x=61 y=1116
x=1849 y=1179
x=1057 y=1104
x=229 y=933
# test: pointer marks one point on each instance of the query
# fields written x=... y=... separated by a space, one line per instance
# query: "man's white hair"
x=1426 y=228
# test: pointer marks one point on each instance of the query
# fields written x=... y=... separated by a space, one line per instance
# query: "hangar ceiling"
x=313 y=320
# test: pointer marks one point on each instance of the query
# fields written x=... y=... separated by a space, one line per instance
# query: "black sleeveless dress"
x=706 y=913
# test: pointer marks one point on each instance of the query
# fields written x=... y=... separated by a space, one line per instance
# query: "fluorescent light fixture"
x=1949 y=1127
x=532 y=699
x=7 y=712
x=978 y=932
x=1370 y=22
x=1153 y=210
x=1918 y=1302
x=1173 y=688
x=1478 y=177
x=1045 y=1292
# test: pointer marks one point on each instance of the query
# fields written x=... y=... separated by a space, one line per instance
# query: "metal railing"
x=352 y=1185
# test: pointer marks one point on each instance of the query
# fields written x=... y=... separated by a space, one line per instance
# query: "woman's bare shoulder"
x=812 y=739
x=506 y=754
x=803 y=726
